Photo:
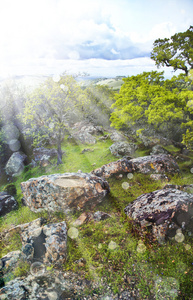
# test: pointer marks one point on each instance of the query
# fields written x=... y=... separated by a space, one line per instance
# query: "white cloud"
x=39 y=35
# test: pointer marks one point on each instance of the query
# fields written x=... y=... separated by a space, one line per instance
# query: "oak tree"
x=176 y=51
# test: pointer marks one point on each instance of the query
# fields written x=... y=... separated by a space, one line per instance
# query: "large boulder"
x=120 y=166
x=167 y=212
x=155 y=164
x=15 y=164
x=7 y=203
x=123 y=149
x=159 y=164
x=64 y=192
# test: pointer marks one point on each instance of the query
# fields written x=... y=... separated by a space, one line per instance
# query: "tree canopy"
x=147 y=101
x=176 y=51
x=48 y=108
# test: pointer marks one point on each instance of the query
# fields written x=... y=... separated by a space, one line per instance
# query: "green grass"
x=157 y=271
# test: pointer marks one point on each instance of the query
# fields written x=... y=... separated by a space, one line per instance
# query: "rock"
x=7 y=203
x=164 y=211
x=88 y=128
x=117 y=137
x=15 y=164
x=155 y=164
x=39 y=152
x=64 y=192
x=100 y=215
x=104 y=138
x=186 y=187
x=9 y=262
x=159 y=177
x=83 y=133
x=123 y=149
x=120 y=166
x=84 y=217
x=159 y=164
x=157 y=149
x=83 y=138
x=147 y=142
x=53 y=285
x=86 y=150
x=47 y=243
x=92 y=129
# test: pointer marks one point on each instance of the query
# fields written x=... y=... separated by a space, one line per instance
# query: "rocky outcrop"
x=48 y=242
x=83 y=132
x=155 y=164
x=40 y=242
x=165 y=211
x=15 y=164
x=123 y=149
x=159 y=164
x=120 y=166
x=43 y=155
x=7 y=203
x=64 y=192
x=83 y=138
x=117 y=137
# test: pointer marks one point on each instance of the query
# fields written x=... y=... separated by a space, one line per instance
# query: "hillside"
x=109 y=257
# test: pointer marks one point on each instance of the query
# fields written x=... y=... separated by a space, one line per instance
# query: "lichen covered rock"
x=64 y=192
x=120 y=166
x=165 y=211
x=155 y=164
x=7 y=203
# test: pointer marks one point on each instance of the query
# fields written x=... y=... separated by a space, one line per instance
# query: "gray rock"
x=64 y=192
x=49 y=285
x=165 y=211
x=15 y=164
x=100 y=215
x=7 y=203
x=83 y=138
x=117 y=137
x=157 y=149
x=41 y=153
x=47 y=243
x=159 y=177
x=123 y=149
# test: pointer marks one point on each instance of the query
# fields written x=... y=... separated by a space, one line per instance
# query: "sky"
x=100 y=37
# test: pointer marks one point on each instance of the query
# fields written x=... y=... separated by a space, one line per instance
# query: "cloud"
x=44 y=33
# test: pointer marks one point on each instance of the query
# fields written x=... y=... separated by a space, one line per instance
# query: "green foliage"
x=48 y=109
x=148 y=102
x=10 y=189
x=176 y=52
x=22 y=269
x=101 y=97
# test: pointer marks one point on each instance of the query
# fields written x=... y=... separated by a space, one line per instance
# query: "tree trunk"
x=59 y=150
